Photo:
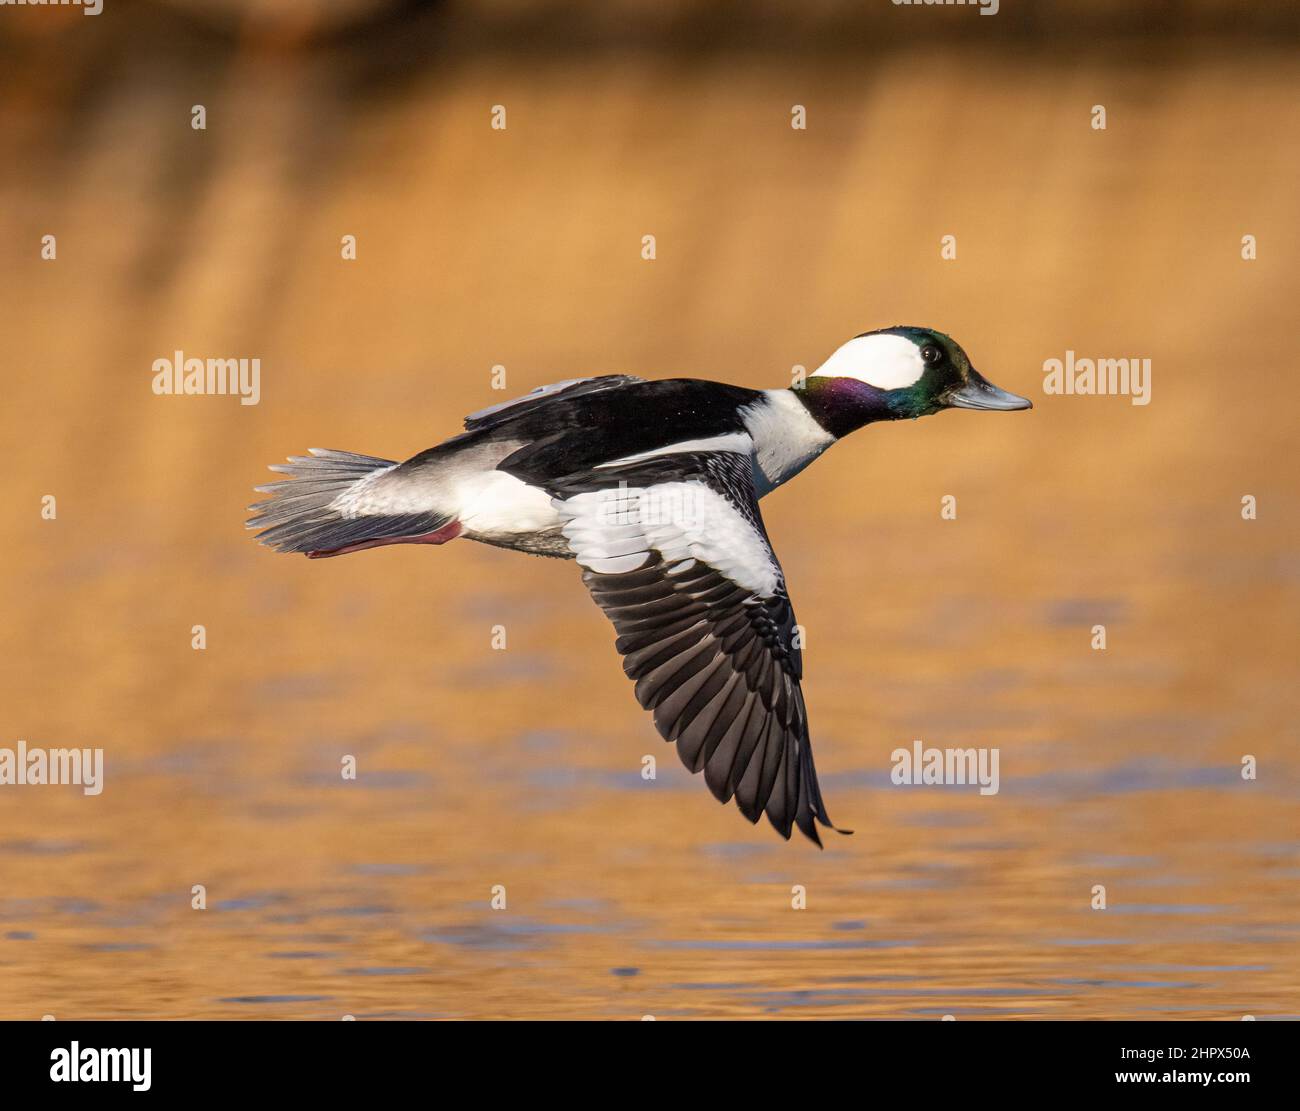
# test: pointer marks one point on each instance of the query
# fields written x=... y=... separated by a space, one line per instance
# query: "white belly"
x=497 y=506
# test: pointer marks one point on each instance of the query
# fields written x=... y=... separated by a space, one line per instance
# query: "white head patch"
x=885 y=361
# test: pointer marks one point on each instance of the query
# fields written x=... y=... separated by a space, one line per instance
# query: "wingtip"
x=815 y=837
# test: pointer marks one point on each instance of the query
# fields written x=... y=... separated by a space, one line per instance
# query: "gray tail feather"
x=298 y=516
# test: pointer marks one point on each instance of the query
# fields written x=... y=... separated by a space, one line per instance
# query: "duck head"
x=895 y=373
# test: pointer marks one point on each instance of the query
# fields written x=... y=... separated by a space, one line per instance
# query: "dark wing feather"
x=710 y=643
x=545 y=395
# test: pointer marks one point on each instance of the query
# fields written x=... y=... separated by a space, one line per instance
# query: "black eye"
x=931 y=354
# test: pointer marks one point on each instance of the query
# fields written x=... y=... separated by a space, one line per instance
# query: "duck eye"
x=931 y=354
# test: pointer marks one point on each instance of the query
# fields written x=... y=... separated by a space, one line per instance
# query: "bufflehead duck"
x=653 y=488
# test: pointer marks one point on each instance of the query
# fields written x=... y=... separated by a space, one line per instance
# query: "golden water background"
x=521 y=767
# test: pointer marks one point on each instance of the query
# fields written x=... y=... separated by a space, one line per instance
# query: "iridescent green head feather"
x=895 y=373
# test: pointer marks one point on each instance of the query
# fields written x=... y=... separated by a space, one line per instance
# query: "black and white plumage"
x=674 y=551
x=653 y=488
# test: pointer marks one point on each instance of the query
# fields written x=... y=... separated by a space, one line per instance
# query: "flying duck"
x=653 y=488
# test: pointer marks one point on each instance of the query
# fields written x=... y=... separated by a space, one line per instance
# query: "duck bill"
x=980 y=393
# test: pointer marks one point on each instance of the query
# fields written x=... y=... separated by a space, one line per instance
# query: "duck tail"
x=336 y=502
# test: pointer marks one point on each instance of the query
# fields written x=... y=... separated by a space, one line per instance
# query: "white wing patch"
x=739 y=442
x=616 y=530
x=885 y=361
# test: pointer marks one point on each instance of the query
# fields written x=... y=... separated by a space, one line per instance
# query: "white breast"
x=786 y=438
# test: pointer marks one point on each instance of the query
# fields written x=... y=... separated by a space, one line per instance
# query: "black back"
x=567 y=434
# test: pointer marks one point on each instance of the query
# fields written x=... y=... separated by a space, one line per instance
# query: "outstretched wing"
x=674 y=551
